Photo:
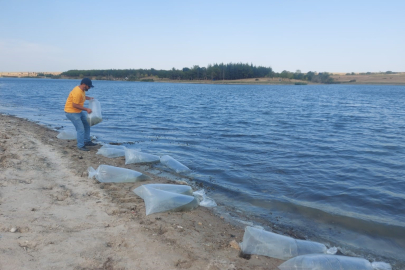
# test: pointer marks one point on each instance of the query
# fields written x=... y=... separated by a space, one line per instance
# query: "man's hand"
x=77 y=106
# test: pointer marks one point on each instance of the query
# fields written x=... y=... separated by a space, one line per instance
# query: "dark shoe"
x=83 y=149
x=90 y=144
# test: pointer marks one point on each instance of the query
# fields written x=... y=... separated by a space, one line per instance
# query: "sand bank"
x=52 y=216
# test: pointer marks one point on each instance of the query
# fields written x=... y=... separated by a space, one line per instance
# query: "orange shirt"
x=77 y=96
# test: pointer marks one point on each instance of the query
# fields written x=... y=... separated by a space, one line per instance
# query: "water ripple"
x=323 y=153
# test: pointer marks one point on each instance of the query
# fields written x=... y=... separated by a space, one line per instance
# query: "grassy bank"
x=339 y=78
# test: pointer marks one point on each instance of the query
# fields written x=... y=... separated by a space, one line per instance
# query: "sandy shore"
x=54 y=217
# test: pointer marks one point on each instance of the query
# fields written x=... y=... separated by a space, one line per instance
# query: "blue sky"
x=333 y=36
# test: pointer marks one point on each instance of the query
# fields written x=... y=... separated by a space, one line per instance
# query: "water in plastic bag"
x=203 y=199
x=159 y=200
x=111 y=151
x=179 y=189
x=67 y=135
x=94 y=117
x=134 y=156
x=111 y=174
x=330 y=262
x=173 y=164
x=261 y=242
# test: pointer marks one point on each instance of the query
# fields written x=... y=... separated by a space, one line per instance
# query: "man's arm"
x=77 y=106
x=89 y=98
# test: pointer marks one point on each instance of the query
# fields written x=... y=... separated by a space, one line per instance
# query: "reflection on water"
x=328 y=159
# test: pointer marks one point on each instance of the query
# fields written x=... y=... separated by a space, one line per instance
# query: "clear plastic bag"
x=261 y=242
x=111 y=151
x=203 y=199
x=94 y=117
x=111 y=174
x=331 y=262
x=173 y=164
x=134 y=156
x=159 y=200
x=179 y=189
x=67 y=135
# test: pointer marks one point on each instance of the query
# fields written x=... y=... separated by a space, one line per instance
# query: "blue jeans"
x=82 y=127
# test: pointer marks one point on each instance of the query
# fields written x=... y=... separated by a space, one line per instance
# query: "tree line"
x=231 y=71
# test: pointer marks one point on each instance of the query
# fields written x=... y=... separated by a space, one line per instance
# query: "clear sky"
x=311 y=35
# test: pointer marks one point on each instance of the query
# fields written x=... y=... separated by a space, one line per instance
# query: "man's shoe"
x=90 y=144
x=83 y=149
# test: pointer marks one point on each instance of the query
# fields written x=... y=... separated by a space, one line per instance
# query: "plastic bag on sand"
x=179 y=189
x=159 y=200
x=331 y=262
x=112 y=151
x=134 y=156
x=203 y=199
x=67 y=135
x=261 y=242
x=173 y=164
x=94 y=117
x=111 y=174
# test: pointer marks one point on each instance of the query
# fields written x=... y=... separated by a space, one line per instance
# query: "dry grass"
x=398 y=78
x=26 y=74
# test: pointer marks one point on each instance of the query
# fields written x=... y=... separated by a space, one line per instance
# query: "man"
x=75 y=112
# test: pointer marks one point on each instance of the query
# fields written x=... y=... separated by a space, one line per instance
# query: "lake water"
x=324 y=160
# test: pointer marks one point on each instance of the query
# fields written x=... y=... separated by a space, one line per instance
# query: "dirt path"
x=53 y=217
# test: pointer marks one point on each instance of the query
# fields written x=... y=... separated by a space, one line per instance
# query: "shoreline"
x=62 y=219
x=252 y=81
x=177 y=230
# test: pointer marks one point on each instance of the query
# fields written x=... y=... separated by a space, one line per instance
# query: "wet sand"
x=52 y=216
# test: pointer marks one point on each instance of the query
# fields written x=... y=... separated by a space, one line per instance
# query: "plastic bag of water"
x=261 y=242
x=111 y=151
x=180 y=189
x=111 y=174
x=135 y=156
x=67 y=135
x=173 y=164
x=159 y=200
x=94 y=117
x=331 y=262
